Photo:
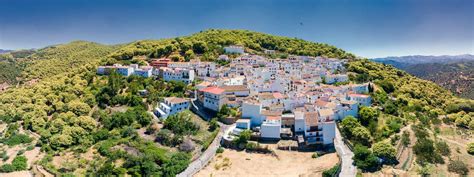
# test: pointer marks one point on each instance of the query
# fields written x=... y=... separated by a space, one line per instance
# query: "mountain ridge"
x=453 y=72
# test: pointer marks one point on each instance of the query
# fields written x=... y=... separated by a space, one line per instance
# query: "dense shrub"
x=167 y=138
x=405 y=138
x=470 y=148
x=332 y=171
x=443 y=148
x=7 y=168
x=426 y=152
x=220 y=150
x=16 y=139
x=19 y=163
x=242 y=139
x=178 y=162
x=458 y=166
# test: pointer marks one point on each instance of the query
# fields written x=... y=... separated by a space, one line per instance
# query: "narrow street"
x=347 y=167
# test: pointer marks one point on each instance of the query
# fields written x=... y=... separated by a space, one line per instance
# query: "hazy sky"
x=369 y=28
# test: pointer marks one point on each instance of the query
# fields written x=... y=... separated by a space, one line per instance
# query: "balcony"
x=315 y=129
x=165 y=106
x=314 y=140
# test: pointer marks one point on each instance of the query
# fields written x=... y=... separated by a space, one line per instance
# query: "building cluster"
x=278 y=98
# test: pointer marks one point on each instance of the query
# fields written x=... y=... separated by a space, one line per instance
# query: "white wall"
x=271 y=130
x=329 y=132
x=251 y=110
x=299 y=122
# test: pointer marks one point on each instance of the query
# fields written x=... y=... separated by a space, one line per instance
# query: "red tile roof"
x=278 y=95
x=213 y=90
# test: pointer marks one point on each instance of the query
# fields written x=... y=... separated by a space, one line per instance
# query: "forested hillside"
x=454 y=73
x=91 y=123
x=457 y=77
x=210 y=44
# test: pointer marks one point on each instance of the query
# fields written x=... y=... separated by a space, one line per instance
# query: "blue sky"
x=369 y=28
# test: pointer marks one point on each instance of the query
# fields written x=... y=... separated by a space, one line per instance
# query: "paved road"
x=205 y=157
x=347 y=167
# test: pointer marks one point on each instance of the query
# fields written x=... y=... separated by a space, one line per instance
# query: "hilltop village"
x=299 y=97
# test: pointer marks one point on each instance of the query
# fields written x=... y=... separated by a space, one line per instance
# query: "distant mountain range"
x=4 y=51
x=404 y=61
x=455 y=73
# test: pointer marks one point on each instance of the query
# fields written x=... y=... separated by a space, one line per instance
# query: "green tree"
x=181 y=124
x=361 y=135
x=58 y=141
x=243 y=138
x=385 y=151
x=78 y=107
x=223 y=112
x=367 y=115
x=348 y=124
x=387 y=86
x=86 y=122
x=425 y=152
x=213 y=125
x=365 y=159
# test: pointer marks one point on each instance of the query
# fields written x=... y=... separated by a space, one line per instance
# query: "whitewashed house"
x=237 y=90
x=362 y=99
x=243 y=124
x=124 y=70
x=347 y=108
x=177 y=74
x=334 y=78
x=234 y=49
x=206 y=69
x=170 y=106
x=271 y=128
x=145 y=71
x=299 y=122
x=214 y=98
x=251 y=109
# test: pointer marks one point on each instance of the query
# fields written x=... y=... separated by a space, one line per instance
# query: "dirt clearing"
x=287 y=163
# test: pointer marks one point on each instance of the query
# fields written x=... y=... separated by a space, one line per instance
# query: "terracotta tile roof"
x=321 y=103
x=266 y=96
x=175 y=100
x=273 y=117
x=270 y=113
x=213 y=90
x=326 y=112
x=231 y=88
x=311 y=118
